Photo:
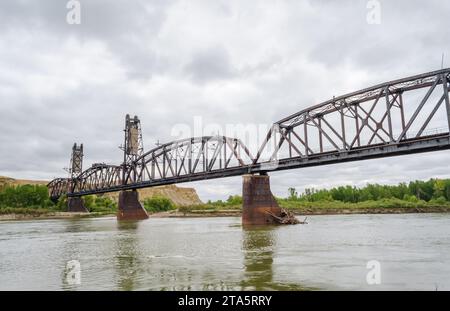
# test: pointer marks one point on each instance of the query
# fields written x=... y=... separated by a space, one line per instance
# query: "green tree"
x=293 y=195
x=158 y=204
x=25 y=196
x=439 y=188
x=234 y=200
x=89 y=202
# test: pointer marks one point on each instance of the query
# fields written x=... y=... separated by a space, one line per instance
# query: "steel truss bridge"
x=404 y=116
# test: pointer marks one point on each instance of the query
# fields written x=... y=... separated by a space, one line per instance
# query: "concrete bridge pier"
x=129 y=206
x=259 y=206
x=76 y=204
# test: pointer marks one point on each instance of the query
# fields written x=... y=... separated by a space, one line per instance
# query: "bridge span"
x=404 y=116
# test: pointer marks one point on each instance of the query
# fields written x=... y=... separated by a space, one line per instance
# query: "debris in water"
x=287 y=218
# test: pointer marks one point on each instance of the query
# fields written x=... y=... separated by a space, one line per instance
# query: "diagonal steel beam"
x=325 y=134
x=422 y=103
x=430 y=116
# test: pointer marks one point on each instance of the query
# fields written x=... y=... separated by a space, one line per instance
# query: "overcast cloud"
x=226 y=61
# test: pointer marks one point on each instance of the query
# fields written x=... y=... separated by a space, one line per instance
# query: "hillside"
x=15 y=182
x=179 y=195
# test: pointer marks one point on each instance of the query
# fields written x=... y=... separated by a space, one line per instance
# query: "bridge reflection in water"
x=259 y=248
x=135 y=262
x=124 y=256
x=127 y=257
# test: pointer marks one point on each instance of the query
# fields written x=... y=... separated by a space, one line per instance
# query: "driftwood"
x=287 y=218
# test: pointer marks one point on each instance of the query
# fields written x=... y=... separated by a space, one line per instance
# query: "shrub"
x=440 y=201
x=25 y=196
x=89 y=201
x=158 y=204
x=61 y=205
x=410 y=198
x=234 y=200
x=186 y=209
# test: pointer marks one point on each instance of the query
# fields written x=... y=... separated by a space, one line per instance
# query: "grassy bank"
x=385 y=206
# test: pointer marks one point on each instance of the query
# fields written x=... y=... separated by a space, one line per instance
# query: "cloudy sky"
x=228 y=62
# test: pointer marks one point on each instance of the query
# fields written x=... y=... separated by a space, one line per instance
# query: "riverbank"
x=228 y=213
x=308 y=212
x=51 y=215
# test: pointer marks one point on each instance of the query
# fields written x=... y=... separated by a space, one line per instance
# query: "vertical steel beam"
x=164 y=163
x=388 y=111
x=305 y=128
x=206 y=155
x=344 y=143
x=358 y=138
x=402 y=110
x=224 y=152
x=320 y=135
x=447 y=101
x=290 y=147
x=190 y=156
x=152 y=171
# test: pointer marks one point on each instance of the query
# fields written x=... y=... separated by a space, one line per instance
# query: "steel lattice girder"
x=371 y=114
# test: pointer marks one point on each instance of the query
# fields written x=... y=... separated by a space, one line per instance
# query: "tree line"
x=433 y=189
x=25 y=196
x=37 y=197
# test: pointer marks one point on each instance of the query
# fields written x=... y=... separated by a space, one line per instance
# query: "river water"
x=329 y=253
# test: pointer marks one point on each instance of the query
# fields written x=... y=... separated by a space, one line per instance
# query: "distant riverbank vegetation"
x=34 y=200
x=21 y=199
x=158 y=204
x=431 y=195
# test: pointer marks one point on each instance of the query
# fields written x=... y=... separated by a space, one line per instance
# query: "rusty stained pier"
x=405 y=116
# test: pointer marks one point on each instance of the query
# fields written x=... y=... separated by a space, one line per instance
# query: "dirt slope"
x=179 y=195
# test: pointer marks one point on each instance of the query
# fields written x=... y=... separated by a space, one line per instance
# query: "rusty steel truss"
x=404 y=116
